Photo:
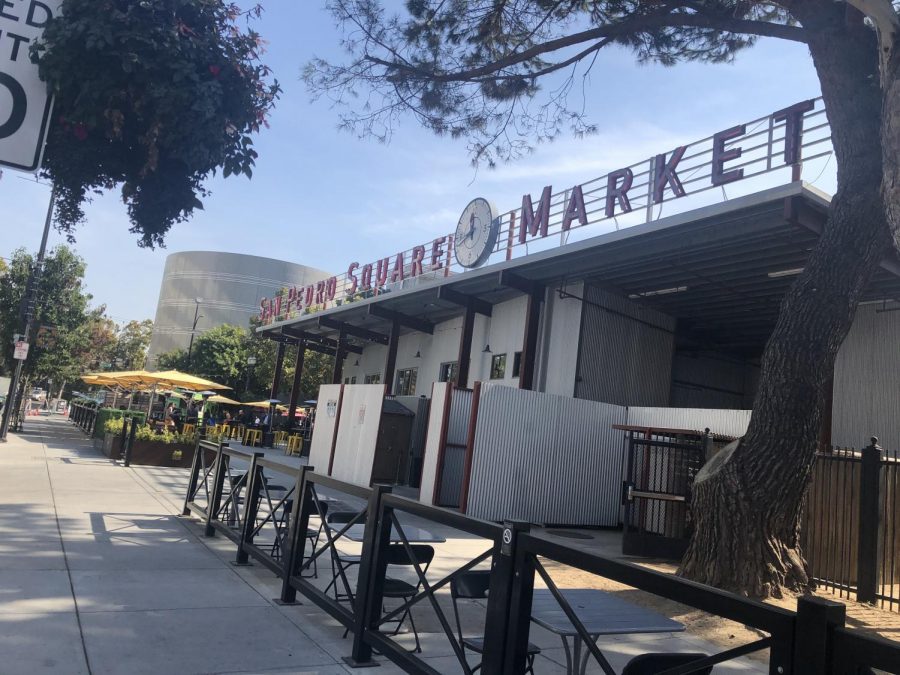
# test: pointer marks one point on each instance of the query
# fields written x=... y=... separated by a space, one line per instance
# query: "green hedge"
x=105 y=414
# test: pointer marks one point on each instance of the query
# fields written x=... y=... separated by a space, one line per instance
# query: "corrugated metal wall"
x=546 y=459
x=455 y=452
x=867 y=380
x=729 y=422
x=624 y=355
x=712 y=381
x=419 y=406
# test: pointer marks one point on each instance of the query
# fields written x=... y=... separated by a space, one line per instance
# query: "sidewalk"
x=98 y=575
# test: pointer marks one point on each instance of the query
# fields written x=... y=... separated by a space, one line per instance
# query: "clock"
x=476 y=233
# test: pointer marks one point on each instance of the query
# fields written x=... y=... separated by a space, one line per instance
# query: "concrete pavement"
x=98 y=575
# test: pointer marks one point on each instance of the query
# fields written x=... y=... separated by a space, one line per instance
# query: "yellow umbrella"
x=174 y=378
x=223 y=400
x=263 y=404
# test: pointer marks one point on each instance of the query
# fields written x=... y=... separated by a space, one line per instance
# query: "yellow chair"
x=293 y=444
x=253 y=437
x=189 y=429
x=280 y=439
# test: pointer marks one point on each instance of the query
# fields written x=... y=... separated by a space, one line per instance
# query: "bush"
x=146 y=433
x=106 y=414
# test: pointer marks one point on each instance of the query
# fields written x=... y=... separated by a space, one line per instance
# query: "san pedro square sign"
x=785 y=138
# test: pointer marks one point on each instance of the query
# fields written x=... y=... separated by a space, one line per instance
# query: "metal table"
x=601 y=614
x=414 y=535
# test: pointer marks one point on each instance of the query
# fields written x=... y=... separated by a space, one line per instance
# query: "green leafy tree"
x=154 y=96
x=131 y=343
x=499 y=72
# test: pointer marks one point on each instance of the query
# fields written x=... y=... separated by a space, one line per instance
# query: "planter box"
x=151 y=453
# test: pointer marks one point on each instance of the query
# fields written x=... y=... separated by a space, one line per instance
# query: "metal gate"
x=657 y=491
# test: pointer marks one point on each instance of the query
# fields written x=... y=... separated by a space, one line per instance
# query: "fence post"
x=215 y=496
x=292 y=557
x=499 y=616
x=193 y=480
x=251 y=508
x=130 y=442
x=370 y=582
x=124 y=438
x=869 y=520
x=516 y=648
x=816 y=620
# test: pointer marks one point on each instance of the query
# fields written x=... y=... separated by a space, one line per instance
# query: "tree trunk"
x=890 y=133
x=747 y=503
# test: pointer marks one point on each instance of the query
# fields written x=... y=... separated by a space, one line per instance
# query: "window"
x=449 y=372
x=350 y=380
x=374 y=378
x=517 y=363
x=498 y=366
x=406 y=382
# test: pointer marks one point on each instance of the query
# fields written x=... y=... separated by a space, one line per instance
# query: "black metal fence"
x=83 y=416
x=292 y=529
x=850 y=534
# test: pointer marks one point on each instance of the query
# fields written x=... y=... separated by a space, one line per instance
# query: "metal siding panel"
x=455 y=452
x=866 y=393
x=728 y=422
x=622 y=361
x=546 y=459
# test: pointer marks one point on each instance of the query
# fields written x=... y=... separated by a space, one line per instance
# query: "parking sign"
x=24 y=101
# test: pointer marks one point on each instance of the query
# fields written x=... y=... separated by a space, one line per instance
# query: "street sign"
x=24 y=101
x=20 y=353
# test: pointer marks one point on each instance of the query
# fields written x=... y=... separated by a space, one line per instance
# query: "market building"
x=588 y=293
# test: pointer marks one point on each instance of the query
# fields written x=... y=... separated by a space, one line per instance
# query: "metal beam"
x=390 y=364
x=527 y=286
x=312 y=340
x=465 y=348
x=404 y=320
x=463 y=300
x=355 y=331
x=295 y=387
x=339 y=355
x=530 y=341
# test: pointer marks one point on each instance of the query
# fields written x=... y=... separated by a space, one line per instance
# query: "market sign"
x=25 y=102
x=781 y=140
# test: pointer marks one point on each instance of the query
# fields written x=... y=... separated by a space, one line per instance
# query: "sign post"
x=25 y=102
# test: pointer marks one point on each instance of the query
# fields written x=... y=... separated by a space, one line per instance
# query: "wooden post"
x=390 y=364
x=295 y=387
x=465 y=347
x=530 y=340
x=339 y=355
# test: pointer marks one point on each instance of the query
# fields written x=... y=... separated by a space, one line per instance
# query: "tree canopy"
x=155 y=97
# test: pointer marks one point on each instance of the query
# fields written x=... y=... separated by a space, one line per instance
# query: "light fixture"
x=357 y=362
x=418 y=355
x=661 y=291
x=784 y=273
x=486 y=350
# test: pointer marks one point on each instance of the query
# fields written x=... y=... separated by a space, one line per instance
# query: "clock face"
x=476 y=233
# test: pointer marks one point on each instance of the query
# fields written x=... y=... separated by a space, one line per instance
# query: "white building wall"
x=558 y=344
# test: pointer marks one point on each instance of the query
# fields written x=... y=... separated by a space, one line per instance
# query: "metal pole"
x=193 y=328
x=30 y=292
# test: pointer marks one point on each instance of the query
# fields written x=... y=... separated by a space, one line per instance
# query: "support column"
x=339 y=354
x=295 y=387
x=530 y=341
x=465 y=347
x=390 y=364
x=268 y=436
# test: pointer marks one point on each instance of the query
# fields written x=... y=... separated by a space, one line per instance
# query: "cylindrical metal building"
x=229 y=287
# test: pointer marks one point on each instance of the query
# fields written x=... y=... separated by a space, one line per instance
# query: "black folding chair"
x=397 y=555
x=650 y=664
x=312 y=535
x=474 y=585
x=341 y=562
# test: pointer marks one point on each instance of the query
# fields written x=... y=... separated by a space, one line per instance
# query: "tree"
x=475 y=70
x=221 y=354
x=152 y=96
x=131 y=343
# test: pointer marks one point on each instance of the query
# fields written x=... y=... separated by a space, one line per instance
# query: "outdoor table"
x=601 y=614
x=414 y=535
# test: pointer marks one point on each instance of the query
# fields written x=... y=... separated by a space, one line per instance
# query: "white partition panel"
x=727 y=422
x=357 y=434
x=328 y=409
x=546 y=459
x=434 y=435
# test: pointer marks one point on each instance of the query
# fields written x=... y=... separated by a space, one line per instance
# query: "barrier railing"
x=290 y=529
x=84 y=417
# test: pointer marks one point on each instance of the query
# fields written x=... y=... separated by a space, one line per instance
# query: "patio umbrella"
x=265 y=404
x=175 y=378
x=222 y=400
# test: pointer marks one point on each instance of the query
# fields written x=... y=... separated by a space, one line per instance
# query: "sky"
x=324 y=198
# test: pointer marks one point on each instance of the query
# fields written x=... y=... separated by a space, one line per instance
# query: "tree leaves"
x=152 y=97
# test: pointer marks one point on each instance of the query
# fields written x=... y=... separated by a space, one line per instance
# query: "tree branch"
x=605 y=34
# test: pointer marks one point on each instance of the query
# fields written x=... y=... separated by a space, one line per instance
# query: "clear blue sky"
x=324 y=198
